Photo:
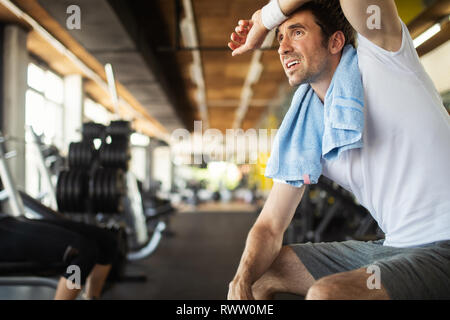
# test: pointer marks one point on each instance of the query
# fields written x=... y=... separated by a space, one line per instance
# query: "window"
x=139 y=146
x=44 y=109
x=96 y=112
x=44 y=112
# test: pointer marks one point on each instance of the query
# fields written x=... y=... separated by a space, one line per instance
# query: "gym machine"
x=327 y=212
x=20 y=273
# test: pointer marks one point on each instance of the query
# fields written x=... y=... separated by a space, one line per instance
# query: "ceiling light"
x=428 y=34
x=254 y=72
x=188 y=33
x=138 y=139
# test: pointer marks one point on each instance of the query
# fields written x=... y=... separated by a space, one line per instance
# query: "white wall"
x=437 y=65
x=162 y=167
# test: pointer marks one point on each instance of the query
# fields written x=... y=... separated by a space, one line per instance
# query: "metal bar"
x=43 y=169
x=15 y=200
x=151 y=245
x=326 y=221
x=28 y=281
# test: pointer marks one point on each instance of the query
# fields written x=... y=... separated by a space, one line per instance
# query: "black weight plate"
x=97 y=203
x=76 y=162
x=116 y=196
x=71 y=155
x=59 y=191
x=92 y=130
x=81 y=156
x=113 y=155
x=92 y=195
x=112 y=193
x=98 y=188
x=85 y=153
x=63 y=191
x=101 y=195
x=77 y=190
x=91 y=190
x=106 y=192
x=119 y=128
x=103 y=154
x=91 y=152
x=96 y=198
x=69 y=185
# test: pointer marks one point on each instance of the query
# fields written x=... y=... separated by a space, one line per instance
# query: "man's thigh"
x=406 y=273
x=417 y=273
x=327 y=258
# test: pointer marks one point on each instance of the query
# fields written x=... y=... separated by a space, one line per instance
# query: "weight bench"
x=30 y=274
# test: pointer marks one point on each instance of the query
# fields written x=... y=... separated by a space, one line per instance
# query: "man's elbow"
x=266 y=230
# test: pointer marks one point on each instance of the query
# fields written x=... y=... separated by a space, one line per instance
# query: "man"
x=400 y=174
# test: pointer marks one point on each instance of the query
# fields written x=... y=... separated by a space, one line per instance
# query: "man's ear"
x=336 y=42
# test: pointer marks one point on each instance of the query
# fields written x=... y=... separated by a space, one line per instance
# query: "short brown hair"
x=330 y=18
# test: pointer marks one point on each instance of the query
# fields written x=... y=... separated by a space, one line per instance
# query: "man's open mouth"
x=292 y=63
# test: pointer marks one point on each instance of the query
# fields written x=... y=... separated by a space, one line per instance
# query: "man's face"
x=302 y=54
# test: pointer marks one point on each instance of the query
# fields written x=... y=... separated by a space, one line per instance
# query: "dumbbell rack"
x=90 y=205
x=95 y=180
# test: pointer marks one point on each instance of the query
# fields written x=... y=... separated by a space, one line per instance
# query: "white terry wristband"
x=271 y=15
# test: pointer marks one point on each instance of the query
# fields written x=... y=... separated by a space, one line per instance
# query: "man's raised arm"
x=377 y=20
x=265 y=239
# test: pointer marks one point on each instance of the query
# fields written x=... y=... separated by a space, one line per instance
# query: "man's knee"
x=286 y=274
x=283 y=259
x=323 y=289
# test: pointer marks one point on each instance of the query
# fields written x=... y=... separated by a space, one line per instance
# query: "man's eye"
x=298 y=33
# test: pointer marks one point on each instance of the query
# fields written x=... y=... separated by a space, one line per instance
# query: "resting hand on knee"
x=239 y=290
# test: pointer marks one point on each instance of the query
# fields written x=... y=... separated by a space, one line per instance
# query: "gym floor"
x=197 y=262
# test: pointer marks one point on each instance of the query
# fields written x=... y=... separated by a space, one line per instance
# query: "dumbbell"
x=92 y=130
x=81 y=154
x=115 y=155
x=119 y=130
x=106 y=189
x=71 y=191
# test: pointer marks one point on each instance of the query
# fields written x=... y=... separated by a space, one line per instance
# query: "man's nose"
x=285 y=46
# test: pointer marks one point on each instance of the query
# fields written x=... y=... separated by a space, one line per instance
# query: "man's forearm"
x=261 y=248
x=289 y=6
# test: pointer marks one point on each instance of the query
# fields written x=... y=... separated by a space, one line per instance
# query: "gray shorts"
x=421 y=272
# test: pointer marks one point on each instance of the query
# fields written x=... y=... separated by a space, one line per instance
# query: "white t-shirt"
x=402 y=174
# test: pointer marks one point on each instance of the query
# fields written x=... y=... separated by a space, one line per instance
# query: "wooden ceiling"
x=225 y=75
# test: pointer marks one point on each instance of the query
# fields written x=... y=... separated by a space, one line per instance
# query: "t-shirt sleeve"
x=405 y=58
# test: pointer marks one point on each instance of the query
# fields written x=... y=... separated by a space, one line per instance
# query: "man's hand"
x=248 y=35
x=238 y=290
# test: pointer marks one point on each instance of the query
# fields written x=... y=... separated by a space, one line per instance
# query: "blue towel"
x=312 y=129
